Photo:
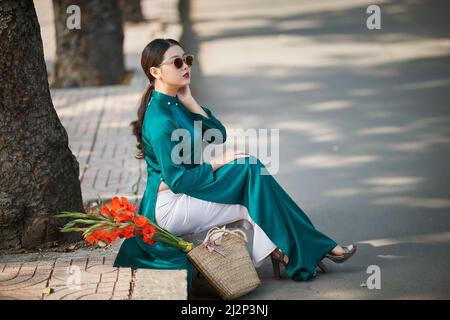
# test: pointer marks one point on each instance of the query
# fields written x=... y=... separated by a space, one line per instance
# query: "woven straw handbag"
x=224 y=261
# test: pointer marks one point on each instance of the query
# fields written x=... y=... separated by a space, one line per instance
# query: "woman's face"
x=171 y=75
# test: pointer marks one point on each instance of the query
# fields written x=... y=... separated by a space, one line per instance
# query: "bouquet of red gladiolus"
x=119 y=219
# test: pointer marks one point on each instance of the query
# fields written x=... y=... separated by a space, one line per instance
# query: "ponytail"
x=152 y=55
x=137 y=124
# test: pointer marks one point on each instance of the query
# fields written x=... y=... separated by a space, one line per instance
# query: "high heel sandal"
x=321 y=268
x=277 y=261
x=280 y=260
x=344 y=257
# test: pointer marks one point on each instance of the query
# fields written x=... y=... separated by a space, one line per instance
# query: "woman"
x=190 y=197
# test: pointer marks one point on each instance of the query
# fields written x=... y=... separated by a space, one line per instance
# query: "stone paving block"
x=24 y=280
x=152 y=284
x=90 y=278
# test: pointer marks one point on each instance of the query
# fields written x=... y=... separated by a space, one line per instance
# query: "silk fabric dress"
x=243 y=181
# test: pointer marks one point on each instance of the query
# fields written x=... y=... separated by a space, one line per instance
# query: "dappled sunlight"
x=422 y=134
x=394 y=181
x=327 y=161
x=317 y=131
x=330 y=105
x=350 y=192
x=343 y=192
x=426 y=123
x=233 y=10
x=381 y=130
x=363 y=92
x=391 y=189
x=347 y=294
x=217 y=27
x=422 y=143
x=237 y=121
x=394 y=8
x=391 y=184
x=298 y=86
x=316 y=53
x=297 y=24
x=355 y=101
x=390 y=256
x=379 y=115
x=414 y=202
x=275 y=73
x=360 y=54
x=388 y=184
x=427 y=84
x=432 y=238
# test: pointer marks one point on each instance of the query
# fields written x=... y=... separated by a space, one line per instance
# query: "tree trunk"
x=93 y=54
x=131 y=10
x=38 y=172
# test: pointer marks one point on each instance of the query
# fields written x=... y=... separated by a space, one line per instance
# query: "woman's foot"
x=280 y=256
x=339 y=251
x=340 y=254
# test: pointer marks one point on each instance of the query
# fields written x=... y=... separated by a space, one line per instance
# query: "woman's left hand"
x=186 y=98
x=184 y=95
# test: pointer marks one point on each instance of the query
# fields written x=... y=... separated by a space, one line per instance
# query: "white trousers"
x=181 y=214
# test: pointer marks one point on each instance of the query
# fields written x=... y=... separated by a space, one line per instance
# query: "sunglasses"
x=178 y=62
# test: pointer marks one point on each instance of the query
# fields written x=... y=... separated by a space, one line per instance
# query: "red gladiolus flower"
x=121 y=205
x=132 y=207
x=90 y=239
x=126 y=222
x=108 y=236
x=148 y=232
x=148 y=240
x=124 y=217
x=93 y=237
x=126 y=232
x=140 y=221
x=112 y=236
x=117 y=204
x=105 y=210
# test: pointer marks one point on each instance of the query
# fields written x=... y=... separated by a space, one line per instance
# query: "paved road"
x=364 y=128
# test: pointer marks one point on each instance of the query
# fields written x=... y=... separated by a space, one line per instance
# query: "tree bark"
x=38 y=172
x=131 y=10
x=93 y=54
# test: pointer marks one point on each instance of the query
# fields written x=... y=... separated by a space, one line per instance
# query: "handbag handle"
x=236 y=232
x=215 y=234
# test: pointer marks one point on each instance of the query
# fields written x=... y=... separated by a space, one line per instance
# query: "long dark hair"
x=152 y=55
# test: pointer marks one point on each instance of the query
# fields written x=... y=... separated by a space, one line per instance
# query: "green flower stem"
x=108 y=222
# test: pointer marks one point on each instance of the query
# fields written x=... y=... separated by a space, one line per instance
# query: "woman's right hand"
x=226 y=157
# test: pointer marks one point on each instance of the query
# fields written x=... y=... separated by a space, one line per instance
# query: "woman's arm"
x=178 y=178
x=209 y=121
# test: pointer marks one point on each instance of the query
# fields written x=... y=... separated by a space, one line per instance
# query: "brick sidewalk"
x=97 y=123
x=91 y=278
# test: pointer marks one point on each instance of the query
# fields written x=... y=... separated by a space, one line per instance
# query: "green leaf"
x=69 y=224
x=91 y=229
x=79 y=215
x=109 y=218
x=84 y=221
x=70 y=215
x=72 y=230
